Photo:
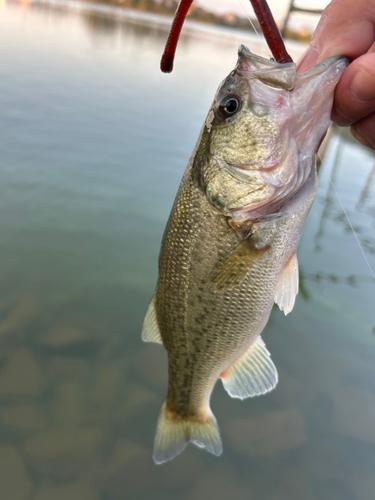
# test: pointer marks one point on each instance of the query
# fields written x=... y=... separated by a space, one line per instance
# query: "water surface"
x=93 y=143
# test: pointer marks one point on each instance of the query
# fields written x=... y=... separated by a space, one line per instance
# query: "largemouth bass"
x=229 y=247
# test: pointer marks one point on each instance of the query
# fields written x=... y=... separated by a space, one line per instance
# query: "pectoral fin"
x=150 y=331
x=232 y=269
x=252 y=374
x=287 y=286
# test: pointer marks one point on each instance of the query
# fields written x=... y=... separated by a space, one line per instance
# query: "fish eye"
x=229 y=105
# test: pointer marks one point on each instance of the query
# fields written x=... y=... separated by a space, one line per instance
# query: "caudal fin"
x=174 y=432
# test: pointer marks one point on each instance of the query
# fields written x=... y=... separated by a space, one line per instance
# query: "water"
x=94 y=140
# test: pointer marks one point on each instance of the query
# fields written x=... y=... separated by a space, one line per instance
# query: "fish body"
x=229 y=247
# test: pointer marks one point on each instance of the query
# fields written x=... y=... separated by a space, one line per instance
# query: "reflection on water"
x=94 y=140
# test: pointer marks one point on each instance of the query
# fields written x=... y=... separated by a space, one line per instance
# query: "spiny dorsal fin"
x=232 y=269
x=150 y=331
x=287 y=287
x=252 y=374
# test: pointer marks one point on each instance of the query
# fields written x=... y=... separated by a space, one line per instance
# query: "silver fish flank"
x=229 y=247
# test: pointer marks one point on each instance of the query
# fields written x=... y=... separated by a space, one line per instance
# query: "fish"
x=228 y=252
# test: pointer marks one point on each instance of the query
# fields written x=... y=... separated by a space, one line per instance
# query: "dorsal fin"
x=252 y=374
x=150 y=330
x=287 y=287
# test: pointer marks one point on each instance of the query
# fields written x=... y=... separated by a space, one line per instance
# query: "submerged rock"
x=63 y=336
x=295 y=483
x=21 y=376
x=361 y=484
x=64 y=452
x=353 y=414
x=25 y=418
x=268 y=434
x=188 y=468
x=69 y=404
x=108 y=384
x=136 y=398
x=219 y=487
x=69 y=369
x=14 y=482
x=22 y=312
x=152 y=366
x=129 y=471
x=78 y=491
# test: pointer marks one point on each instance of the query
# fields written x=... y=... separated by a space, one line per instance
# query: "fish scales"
x=212 y=325
x=229 y=247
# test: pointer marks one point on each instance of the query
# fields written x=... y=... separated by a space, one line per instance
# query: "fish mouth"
x=329 y=69
x=284 y=76
x=339 y=61
x=270 y=72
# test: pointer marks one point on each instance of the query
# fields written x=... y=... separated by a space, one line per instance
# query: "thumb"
x=346 y=28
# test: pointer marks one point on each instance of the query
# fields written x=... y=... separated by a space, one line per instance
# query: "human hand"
x=347 y=28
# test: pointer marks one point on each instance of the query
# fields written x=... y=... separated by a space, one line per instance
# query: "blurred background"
x=93 y=143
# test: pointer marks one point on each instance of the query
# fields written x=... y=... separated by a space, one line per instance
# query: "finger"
x=345 y=28
x=364 y=131
x=355 y=92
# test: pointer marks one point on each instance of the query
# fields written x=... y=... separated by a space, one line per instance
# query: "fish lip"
x=329 y=69
x=261 y=62
x=340 y=62
x=285 y=75
x=270 y=72
x=243 y=51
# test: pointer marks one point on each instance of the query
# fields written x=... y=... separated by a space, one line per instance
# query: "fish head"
x=262 y=133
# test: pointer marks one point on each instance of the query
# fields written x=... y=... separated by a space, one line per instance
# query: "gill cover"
x=262 y=133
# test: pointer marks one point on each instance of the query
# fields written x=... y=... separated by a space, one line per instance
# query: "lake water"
x=93 y=143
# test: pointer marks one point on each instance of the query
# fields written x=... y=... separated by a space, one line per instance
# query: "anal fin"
x=150 y=330
x=287 y=286
x=252 y=374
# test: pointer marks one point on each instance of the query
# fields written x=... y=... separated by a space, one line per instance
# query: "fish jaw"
x=312 y=100
x=257 y=159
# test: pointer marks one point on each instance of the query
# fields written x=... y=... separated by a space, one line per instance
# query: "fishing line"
x=347 y=218
x=254 y=28
x=352 y=228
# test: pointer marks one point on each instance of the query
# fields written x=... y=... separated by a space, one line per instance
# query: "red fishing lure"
x=266 y=21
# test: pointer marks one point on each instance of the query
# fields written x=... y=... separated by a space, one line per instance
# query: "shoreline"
x=296 y=48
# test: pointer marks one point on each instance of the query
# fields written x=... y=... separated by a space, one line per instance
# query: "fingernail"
x=308 y=60
x=340 y=119
x=357 y=135
x=362 y=86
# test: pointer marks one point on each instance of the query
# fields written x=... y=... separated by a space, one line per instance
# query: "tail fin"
x=173 y=434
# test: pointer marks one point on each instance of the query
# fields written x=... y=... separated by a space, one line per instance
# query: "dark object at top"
x=266 y=22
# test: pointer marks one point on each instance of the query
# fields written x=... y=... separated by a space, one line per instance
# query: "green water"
x=93 y=143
